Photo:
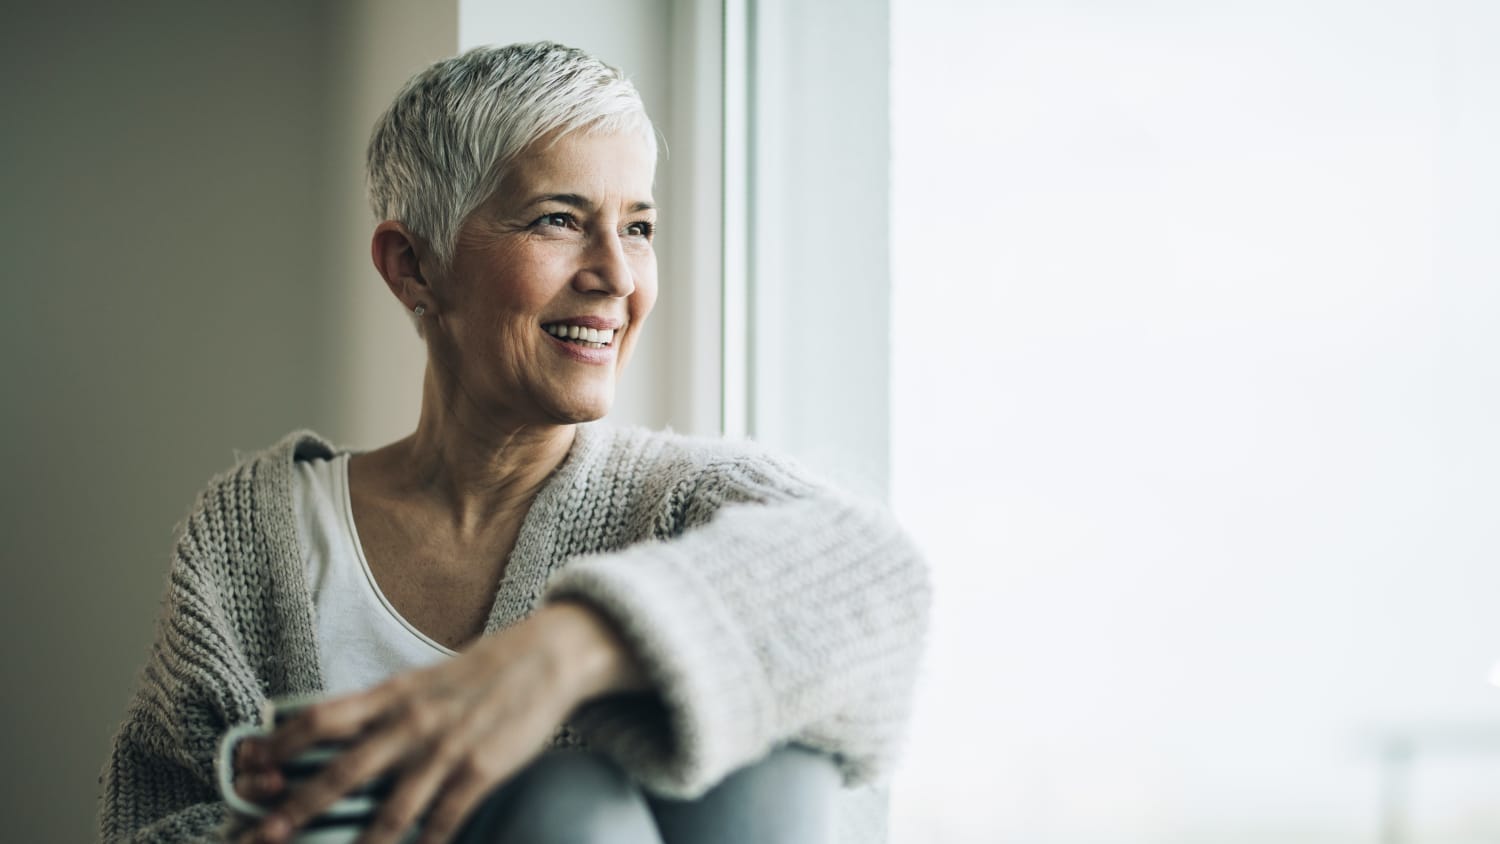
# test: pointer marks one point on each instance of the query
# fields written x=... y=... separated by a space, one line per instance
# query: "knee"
x=565 y=796
x=789 y=796
x=795 y=768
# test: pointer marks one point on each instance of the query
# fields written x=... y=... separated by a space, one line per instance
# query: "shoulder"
x=667 y=457
x=250 y=500
x=684 y=481
x=253 y=471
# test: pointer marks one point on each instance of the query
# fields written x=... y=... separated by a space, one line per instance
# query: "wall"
x=162 y=231
x=374 y=48
x=184 y=206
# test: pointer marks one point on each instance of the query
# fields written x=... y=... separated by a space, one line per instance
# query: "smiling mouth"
x=589 y=338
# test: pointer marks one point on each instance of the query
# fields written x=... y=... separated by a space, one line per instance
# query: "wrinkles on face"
x=567 y=236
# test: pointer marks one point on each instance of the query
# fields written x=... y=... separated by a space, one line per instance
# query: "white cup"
x=340 y=823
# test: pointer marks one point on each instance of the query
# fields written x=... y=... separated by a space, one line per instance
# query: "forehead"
x=601 y=166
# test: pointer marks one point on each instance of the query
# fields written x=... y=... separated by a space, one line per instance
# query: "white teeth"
x=596 y=338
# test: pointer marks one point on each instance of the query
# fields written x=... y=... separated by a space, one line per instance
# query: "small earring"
x=419 y=310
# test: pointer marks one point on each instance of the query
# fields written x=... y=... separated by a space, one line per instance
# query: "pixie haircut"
x=447 y=141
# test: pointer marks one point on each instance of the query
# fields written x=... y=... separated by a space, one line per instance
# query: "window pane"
x=1196 y=346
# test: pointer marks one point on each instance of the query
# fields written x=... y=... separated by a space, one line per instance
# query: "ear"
x=398 y=255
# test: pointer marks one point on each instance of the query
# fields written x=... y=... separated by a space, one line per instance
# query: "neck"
x=483 y=473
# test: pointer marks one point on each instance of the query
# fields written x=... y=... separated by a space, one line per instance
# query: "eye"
x=555 y=220
x=641 y=228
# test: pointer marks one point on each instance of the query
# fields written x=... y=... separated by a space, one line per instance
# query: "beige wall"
x=376 y=47
x=187 y=276
x=170 y=223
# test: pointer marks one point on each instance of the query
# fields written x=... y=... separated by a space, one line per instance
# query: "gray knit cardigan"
x=765 y=607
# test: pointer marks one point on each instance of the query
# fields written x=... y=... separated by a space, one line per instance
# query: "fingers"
x=335 y=720
x=259 y=787
x=451 y=731
x=459 y=774
x=405 y=805
x=339 y=719
x=251 y=754
x=256 y=779
x=478 y=772
x=459 y=798
x=345 y=773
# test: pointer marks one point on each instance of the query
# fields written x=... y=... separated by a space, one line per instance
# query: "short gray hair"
x=445 y=144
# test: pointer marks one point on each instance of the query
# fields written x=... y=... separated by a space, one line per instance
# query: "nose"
x=606 y=269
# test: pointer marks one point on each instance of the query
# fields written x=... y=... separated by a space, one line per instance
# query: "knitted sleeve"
x=782 y=612
x=158 y=782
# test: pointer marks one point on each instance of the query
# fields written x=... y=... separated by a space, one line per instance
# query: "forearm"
x=801 y=620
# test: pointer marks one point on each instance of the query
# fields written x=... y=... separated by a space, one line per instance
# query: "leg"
x=786 y=798
x=564 y=797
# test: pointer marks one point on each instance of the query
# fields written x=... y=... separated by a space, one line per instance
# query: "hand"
x=256 y=777
x=452 y=732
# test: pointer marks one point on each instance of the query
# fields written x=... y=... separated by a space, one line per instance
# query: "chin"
x=573 y=410
x=582 y=416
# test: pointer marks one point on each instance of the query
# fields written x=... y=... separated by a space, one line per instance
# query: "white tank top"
x=362 y=640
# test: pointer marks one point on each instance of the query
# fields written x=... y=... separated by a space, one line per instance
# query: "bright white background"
x=1196 y=349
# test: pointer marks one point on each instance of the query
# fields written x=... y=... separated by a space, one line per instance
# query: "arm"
x=151 y=797
x=786 y=612
x=157 y=783
x=794 y=669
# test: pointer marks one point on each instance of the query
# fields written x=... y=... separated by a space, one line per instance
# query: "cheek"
x=529 y=287
x=497 y=325
x=640 y=308
x=644 y=297
x=514 y=296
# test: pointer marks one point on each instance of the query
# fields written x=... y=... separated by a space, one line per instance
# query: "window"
x=1195 y=346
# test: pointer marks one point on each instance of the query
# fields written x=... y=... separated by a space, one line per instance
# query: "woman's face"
x=562 y=250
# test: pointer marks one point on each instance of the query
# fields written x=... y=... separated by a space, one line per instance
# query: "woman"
x=695 y=627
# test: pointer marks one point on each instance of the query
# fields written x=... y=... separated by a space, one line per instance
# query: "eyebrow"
x=582 y=203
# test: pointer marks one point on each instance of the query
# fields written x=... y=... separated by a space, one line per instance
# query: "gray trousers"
x=576 y=797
